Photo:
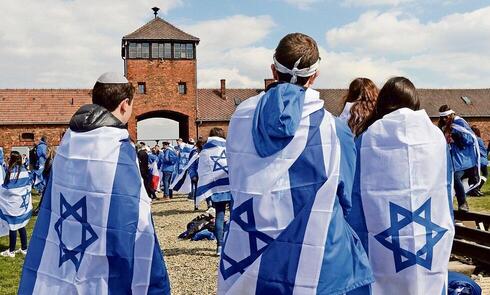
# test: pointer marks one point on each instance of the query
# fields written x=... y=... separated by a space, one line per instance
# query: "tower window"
x=141 y=87
x=132 y=50
x=177 y=52
x=167 y=50
x=145 y=50
x=154 y=50
x=189 y=51
x=182 y=88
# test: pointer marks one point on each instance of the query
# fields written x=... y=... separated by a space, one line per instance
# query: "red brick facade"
x=11 y=135
x=162 y=98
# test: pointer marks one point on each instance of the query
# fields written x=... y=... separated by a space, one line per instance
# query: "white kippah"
x=446 y=113
x=112 y=78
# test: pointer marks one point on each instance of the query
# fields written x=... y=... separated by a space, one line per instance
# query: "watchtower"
x=160 y=62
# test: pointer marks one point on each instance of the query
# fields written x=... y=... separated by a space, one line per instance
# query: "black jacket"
x=93 y=116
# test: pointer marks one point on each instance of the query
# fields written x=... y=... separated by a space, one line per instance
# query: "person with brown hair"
x=483 y=165
x=291 y=167
x=359 y=104
x=403 y=185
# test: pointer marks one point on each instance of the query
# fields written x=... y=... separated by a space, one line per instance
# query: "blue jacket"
x=462 y=147
x=42 y=152
x=168 y=159
x=483 y=153
x=152 y=158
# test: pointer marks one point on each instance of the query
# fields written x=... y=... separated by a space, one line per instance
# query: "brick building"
x=160 y=61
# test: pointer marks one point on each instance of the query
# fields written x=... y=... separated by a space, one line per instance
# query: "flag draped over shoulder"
x=287 y=232
x=15 y=202
x=212 y=169
x=94 y=233
x=155 y=175
x=182 y=182
x=402 y=204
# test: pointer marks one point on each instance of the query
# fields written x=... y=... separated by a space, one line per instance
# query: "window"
x=182 y=88
x=167 y=50
x=145 y=50
x=27 y=136
x=190 y=51
x=141 y=87
x=132 y=50
x=176 y=50
x=138 y=50
x=154 y=50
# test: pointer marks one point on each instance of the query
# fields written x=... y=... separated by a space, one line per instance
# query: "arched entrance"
x=162 y=126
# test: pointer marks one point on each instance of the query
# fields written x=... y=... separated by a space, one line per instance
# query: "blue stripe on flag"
x=17 y=183
x=349 y=272
x=203 y=189
x=279 y=263
x=159 y=282
x=36 y=244
x=123 y=221
x=15 y=219
x=213 y=143
x=179 y=183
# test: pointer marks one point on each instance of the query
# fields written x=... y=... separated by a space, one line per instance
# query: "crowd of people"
x=355 y=204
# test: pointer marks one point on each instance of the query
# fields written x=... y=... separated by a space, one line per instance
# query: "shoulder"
x=247 y=107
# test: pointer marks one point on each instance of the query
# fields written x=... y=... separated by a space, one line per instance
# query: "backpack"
x=33 y=158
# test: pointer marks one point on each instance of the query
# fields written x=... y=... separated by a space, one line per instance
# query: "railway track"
x=471 y=242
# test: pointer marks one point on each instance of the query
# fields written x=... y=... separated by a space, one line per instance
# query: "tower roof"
x=158 y=29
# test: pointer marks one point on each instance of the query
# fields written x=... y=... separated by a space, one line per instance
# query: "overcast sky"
x=67 y=44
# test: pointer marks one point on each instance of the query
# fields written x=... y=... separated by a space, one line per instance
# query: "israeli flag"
x=287 y=232
x=402 y=204
x=212 y=169
x=15 y=202
x=94 y=233
x=182 y=182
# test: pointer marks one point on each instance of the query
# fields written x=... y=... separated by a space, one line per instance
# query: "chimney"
x=223 y=88
x=268 y=82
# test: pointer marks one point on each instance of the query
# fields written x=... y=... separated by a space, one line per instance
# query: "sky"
x=435 y=43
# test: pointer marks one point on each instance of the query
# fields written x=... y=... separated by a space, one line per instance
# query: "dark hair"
x=15 y=160
x=443 y=121
x=293 y=47
x=200 y=142
x=476 y=130
x=397 y=93
x=110 y=95
x=364 y=93
x=43 y=138
x=217 y=132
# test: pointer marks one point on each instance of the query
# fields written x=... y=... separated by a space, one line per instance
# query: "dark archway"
x=181 y=119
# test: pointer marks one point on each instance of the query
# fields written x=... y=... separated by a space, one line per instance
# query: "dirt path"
x=192 y=266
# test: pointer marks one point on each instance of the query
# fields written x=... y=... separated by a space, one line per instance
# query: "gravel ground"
x=192 y=266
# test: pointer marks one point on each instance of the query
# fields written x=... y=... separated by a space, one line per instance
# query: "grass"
x=11 y=268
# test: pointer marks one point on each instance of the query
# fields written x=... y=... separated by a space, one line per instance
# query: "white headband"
x=295 y=72
x=446 y=113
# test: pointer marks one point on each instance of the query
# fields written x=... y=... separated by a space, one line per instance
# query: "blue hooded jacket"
x=483 y=153
x=168 y=159
x=462 y=147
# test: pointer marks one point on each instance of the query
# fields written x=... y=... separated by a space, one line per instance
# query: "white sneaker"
x=218 y=251
x=24 y=252
x=7 y=253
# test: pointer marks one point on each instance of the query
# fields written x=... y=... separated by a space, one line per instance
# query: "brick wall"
x=205 y=127
x=162 y=78
x=10 y=135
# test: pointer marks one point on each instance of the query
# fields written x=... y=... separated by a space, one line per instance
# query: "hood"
x=93 y=116
x=277 y=118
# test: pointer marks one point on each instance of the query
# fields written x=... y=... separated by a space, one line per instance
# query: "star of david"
x=75 y=254
x=25 y=200
x=253 y=237
x=404 y=258
x=217 y=165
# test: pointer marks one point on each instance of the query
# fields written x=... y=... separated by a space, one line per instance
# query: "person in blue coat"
x=42 y=156
x=483 y=163
x=168 y=159
x=462 y=143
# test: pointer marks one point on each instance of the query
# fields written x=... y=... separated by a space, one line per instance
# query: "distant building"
x=160 y=61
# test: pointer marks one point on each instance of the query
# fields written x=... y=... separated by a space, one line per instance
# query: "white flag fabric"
x=94 y=233
x=212 y=169
x=402 y=204
x=287 y=232
x=182 y=182
x=15 y=202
